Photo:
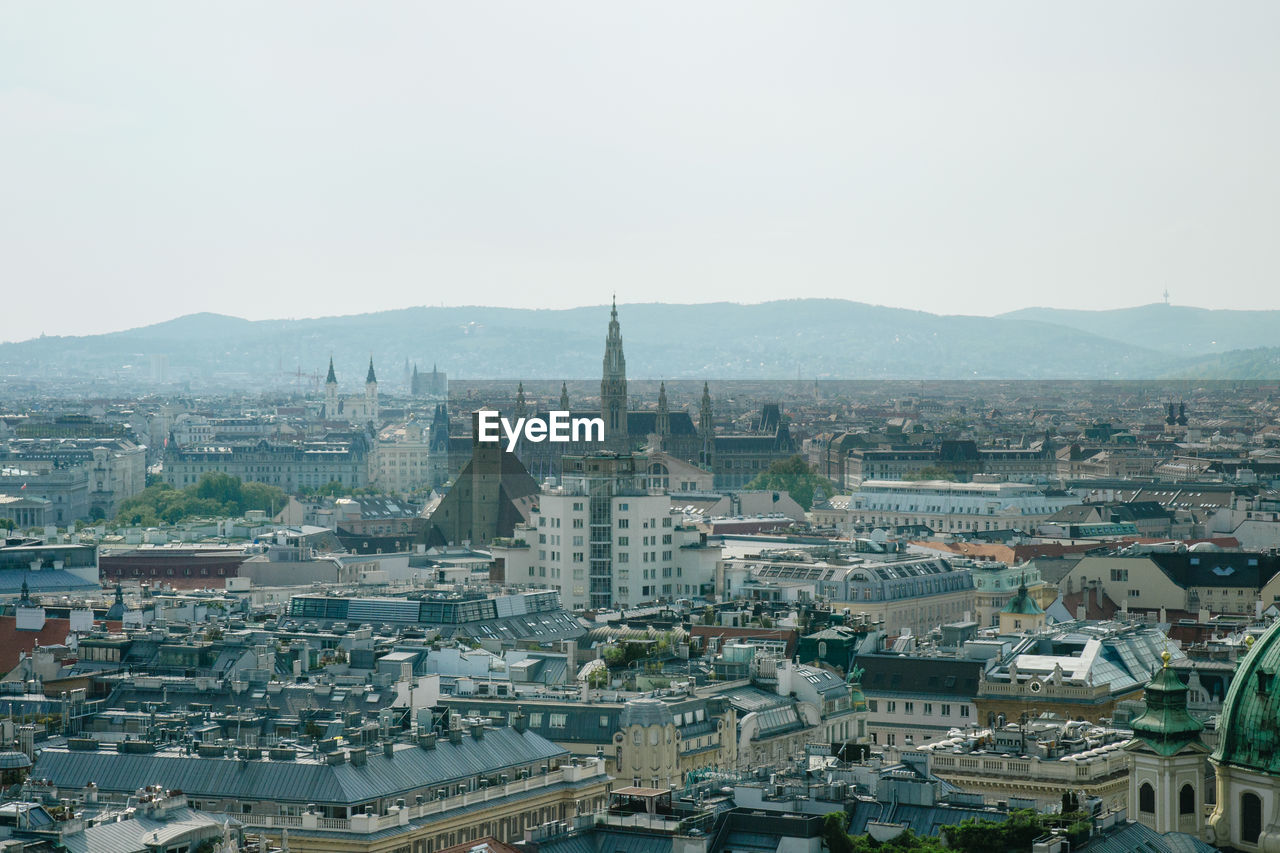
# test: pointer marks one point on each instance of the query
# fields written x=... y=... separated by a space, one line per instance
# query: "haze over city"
x=311 y=159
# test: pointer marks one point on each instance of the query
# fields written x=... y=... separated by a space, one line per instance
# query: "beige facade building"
x=402 y=458
x=999 y=764
x=659 y=741
x=1187 y=582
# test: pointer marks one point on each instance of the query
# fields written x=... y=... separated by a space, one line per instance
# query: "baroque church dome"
x=1249 y=726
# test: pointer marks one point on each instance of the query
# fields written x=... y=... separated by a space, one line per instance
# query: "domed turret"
x=1166 y=776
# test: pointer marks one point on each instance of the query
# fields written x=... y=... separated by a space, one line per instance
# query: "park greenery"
x=930 y=472
x=214 y=496
x=1014 y=835
x=794 y=476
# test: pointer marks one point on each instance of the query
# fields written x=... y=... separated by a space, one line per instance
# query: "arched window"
x=1187 y=800
x=1250 y=818
x=1147 y=799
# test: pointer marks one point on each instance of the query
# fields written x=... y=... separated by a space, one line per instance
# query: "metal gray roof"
x=1136 y=838
x=645 y=712
x=45 y=580
x=134 y=836
x=302 y=781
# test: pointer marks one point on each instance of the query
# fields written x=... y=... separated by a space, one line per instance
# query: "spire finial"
x=1166 y=657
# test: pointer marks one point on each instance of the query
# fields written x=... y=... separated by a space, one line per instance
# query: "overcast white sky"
x=272 y=159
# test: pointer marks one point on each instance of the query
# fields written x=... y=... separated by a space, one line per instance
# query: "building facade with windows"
x=912 y=700
x=342 y=458
x=606 y=540
x=907 y=593
x=945 y=507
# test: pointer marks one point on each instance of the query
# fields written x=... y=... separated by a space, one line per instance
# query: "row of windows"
x=891 y=707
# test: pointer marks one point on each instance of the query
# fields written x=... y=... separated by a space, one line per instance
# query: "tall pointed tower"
x=564 y=397
x=438 y=447
x=1166 y=760
x=522 y=407
x=331 y=393
x=613 y=388
x=706 y=430
x=662 y=425
x=371 y=393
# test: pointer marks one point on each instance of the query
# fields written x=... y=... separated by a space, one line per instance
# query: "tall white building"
x=604 y=539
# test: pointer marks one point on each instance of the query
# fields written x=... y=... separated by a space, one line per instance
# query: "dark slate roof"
x=1076 y=514
x=45 y=580
x=1218 y=568
x=582 y=722
x=944 y=677
x=644 y=423
x=305 y=780
x=1139 y=510
x=922 y=820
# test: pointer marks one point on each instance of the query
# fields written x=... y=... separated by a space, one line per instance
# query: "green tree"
x=217 y=495
x=331 y=489
x=835 y=832
x=794 y=476
x=1016 y=833
x=930 y=472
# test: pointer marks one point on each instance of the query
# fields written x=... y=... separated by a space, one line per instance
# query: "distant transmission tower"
x=1166 y=296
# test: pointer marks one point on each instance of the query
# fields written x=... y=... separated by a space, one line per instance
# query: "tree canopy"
x=794 y=476
x=930 y=472
x=215 y=495
x=1015 y=834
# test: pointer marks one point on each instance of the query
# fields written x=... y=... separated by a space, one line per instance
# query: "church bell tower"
x=613 y=389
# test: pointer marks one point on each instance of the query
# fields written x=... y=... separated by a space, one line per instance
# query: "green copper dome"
x=1166 y=726
x=1022 y=604
x=1249 y=726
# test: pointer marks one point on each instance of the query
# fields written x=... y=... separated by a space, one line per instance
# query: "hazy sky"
x=272 y=159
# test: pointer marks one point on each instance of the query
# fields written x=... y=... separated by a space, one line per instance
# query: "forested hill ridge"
x=808 y=338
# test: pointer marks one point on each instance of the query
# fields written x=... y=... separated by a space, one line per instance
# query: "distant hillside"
x=812 y=338
x=1167 y=328
x=1249 y=364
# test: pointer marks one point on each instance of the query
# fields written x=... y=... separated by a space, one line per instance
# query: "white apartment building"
x=943 y=506
x=606 y=540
